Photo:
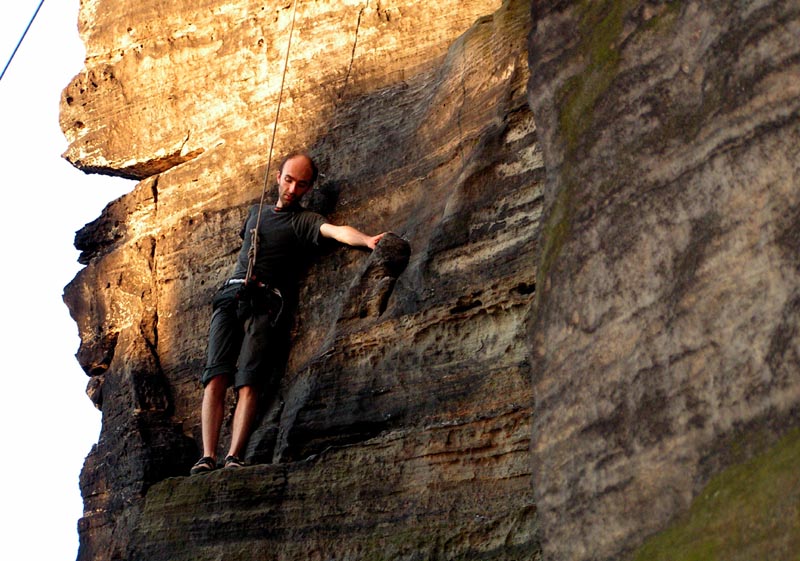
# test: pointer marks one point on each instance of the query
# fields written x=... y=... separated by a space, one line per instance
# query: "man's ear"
x=278 y=176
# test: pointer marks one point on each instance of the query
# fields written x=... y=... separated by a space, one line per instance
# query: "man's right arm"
x=349 y=235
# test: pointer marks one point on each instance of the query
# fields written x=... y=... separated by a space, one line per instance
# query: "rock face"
x=400 y=425
x=582 y=332
x=666 y=332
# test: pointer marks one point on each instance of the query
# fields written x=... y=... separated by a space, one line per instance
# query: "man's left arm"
x=349 y=235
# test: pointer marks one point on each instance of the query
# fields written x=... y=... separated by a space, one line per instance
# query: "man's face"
x=294 y=180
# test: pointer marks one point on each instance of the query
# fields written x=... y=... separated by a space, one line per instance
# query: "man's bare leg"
x=212 y=414
x=243 y=418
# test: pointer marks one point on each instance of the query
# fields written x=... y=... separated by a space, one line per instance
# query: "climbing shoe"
x=203 y=465
x=233 y=462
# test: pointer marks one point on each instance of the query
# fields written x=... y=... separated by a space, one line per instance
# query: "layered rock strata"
x=399 y=424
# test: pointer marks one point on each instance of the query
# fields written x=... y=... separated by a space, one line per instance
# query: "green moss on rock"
x=749 y=511
x=601 y=25
x=555 y=231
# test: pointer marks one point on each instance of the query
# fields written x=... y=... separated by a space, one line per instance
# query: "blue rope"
x=21 y=39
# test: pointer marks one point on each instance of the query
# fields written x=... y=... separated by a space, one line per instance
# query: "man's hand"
x=373 y=241
x=251 y=252
x=350 y=236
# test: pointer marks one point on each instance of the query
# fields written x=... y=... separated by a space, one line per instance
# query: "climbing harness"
x=251 y=258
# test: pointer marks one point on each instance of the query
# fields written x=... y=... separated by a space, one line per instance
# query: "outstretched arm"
x=349 y=235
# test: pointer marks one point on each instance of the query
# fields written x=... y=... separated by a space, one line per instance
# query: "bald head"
x=295 y=178
x=305 y=158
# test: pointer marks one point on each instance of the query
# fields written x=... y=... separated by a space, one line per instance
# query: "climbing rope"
x=251 y=262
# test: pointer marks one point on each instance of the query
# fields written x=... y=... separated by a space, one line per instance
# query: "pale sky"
x=48 y=424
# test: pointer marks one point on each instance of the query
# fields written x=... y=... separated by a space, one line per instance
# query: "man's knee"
x=247 y=392
x=217 y=386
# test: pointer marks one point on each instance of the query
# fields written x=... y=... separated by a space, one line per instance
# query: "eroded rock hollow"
x=585 y=317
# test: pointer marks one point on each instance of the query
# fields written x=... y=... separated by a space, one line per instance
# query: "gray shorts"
x=240 y=335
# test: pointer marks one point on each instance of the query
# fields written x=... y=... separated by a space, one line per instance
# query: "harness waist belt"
x=272 y=289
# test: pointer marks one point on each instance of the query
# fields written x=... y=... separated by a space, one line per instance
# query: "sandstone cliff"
x=665 y=340
x=586 y=320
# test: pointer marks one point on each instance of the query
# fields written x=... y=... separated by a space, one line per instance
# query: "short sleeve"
x=250 y=214
x=306 y=225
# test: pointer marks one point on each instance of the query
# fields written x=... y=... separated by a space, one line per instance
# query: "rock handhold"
x=369 y=295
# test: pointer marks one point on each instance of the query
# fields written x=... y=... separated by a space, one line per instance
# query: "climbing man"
x=241 y=335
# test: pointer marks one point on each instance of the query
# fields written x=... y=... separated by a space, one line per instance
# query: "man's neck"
x=286 y=208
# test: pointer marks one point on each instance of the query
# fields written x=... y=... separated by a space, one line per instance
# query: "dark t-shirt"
x=285 y=238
